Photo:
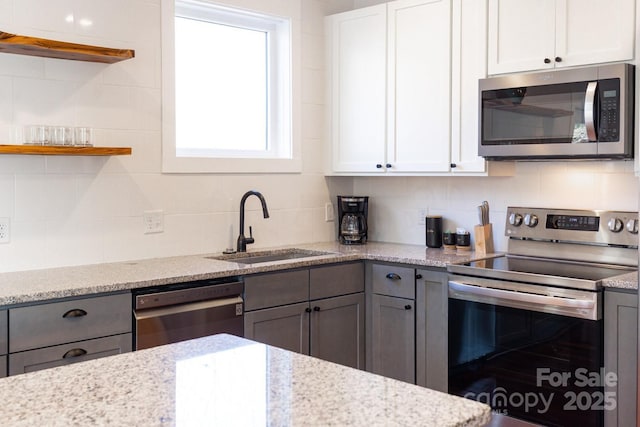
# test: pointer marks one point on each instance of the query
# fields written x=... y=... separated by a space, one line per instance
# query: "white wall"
x=80 y=210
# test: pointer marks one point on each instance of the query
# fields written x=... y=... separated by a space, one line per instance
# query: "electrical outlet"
x=328 y=212
x=422 y=214
x=5 y=230
x=153 y=221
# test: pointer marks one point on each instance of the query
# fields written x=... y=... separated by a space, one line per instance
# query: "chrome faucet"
x=244 y=241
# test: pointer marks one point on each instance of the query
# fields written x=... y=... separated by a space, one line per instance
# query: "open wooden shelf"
x=55 y=150
x=33 y=46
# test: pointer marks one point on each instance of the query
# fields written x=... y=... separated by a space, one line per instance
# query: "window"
x=228 y=98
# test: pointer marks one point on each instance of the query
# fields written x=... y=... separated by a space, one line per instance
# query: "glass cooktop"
x=537 y=270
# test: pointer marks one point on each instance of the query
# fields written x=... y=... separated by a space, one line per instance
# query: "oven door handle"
x=542 y=303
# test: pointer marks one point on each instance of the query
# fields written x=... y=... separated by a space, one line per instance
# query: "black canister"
x=434 y=231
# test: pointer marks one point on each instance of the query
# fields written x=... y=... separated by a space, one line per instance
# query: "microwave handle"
x=589 y=111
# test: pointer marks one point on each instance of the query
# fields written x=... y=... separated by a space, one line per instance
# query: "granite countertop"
x=47 y=284
x=224 y=380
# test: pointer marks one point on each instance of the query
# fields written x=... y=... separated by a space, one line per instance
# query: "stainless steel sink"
x=268 y=256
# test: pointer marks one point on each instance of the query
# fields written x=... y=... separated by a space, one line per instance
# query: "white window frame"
x=285 y=156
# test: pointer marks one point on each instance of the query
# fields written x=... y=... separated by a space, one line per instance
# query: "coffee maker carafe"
x=352 y=219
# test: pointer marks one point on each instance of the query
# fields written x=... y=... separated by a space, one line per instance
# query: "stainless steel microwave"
x=583 y=113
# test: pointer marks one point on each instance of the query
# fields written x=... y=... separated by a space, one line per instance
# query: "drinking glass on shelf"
x=83 y=136
x=36 y=135
x=62 y=135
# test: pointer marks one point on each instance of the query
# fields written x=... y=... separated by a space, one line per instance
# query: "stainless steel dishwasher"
x=172 y=313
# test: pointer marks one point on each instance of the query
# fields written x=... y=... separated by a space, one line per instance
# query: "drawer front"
x=274 y=289
x=335 y=280
x=4 y=332
x=3 y=366
x=68 y=321
x=393 y=281
x=66 y=354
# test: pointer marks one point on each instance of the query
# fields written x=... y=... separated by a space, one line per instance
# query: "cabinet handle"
x=547 y=61
x=74 y=352
x=379 y=166
x=407 y=307
x=316 y=308
x=76 y=312
x=389 y=165
x=418 y=276
x=307 y=310
x=558 y=59
x=453 y=166
x=393 y=276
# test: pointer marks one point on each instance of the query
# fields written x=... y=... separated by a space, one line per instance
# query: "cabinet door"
x=285 y=327
x=419 y=79
x=3 y=366
x=468 y=64
x=594 y=31
x=393 y=338
x=621 y=355
x=521 y=35
x=4 y=331
x=431 y=330
x=357 y=48
x=66 y=354
x=337 y=330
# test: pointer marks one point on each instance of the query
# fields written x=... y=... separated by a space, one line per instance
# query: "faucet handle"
x=250 y=239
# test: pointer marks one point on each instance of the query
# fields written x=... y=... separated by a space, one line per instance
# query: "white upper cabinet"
x=468 y=65
x=390 y=88
x=529 y=35
x=418 y=86
x=357 y=46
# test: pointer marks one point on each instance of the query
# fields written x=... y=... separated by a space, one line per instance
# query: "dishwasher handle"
x=190 y=307
x=582 y=308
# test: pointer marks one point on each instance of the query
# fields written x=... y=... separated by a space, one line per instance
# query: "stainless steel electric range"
x=525 y=329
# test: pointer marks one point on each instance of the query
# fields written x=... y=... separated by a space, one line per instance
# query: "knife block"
x=483 y=239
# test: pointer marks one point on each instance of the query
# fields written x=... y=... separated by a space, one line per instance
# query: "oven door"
x=530 y=352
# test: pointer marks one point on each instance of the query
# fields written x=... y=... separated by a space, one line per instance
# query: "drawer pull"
x=407 y=307
x=74 y=352
x=393 y=276
x=76 y=312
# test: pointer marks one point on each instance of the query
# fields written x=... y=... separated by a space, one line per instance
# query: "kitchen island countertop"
x=224 y=380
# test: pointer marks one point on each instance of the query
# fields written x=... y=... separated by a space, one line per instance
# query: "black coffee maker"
x=352 y=219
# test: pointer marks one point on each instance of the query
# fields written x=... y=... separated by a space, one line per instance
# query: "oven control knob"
x=632 y=226
x=515 y=219
x=530 y=220
x=615 y=225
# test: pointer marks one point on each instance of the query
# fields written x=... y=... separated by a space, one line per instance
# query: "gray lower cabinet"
x=317 y=311
x=68 y=331
x=285 y=327
x=391 y=327
x=4 y=346
x=66 y=354
x=621 y=355
x=431 y=329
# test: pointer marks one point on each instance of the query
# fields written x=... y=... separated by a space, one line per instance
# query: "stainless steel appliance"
x=173 y=313
x=580 y=113
x=525 y=329
x=352 y=219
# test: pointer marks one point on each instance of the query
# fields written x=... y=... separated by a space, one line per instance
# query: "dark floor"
x=498 y=420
